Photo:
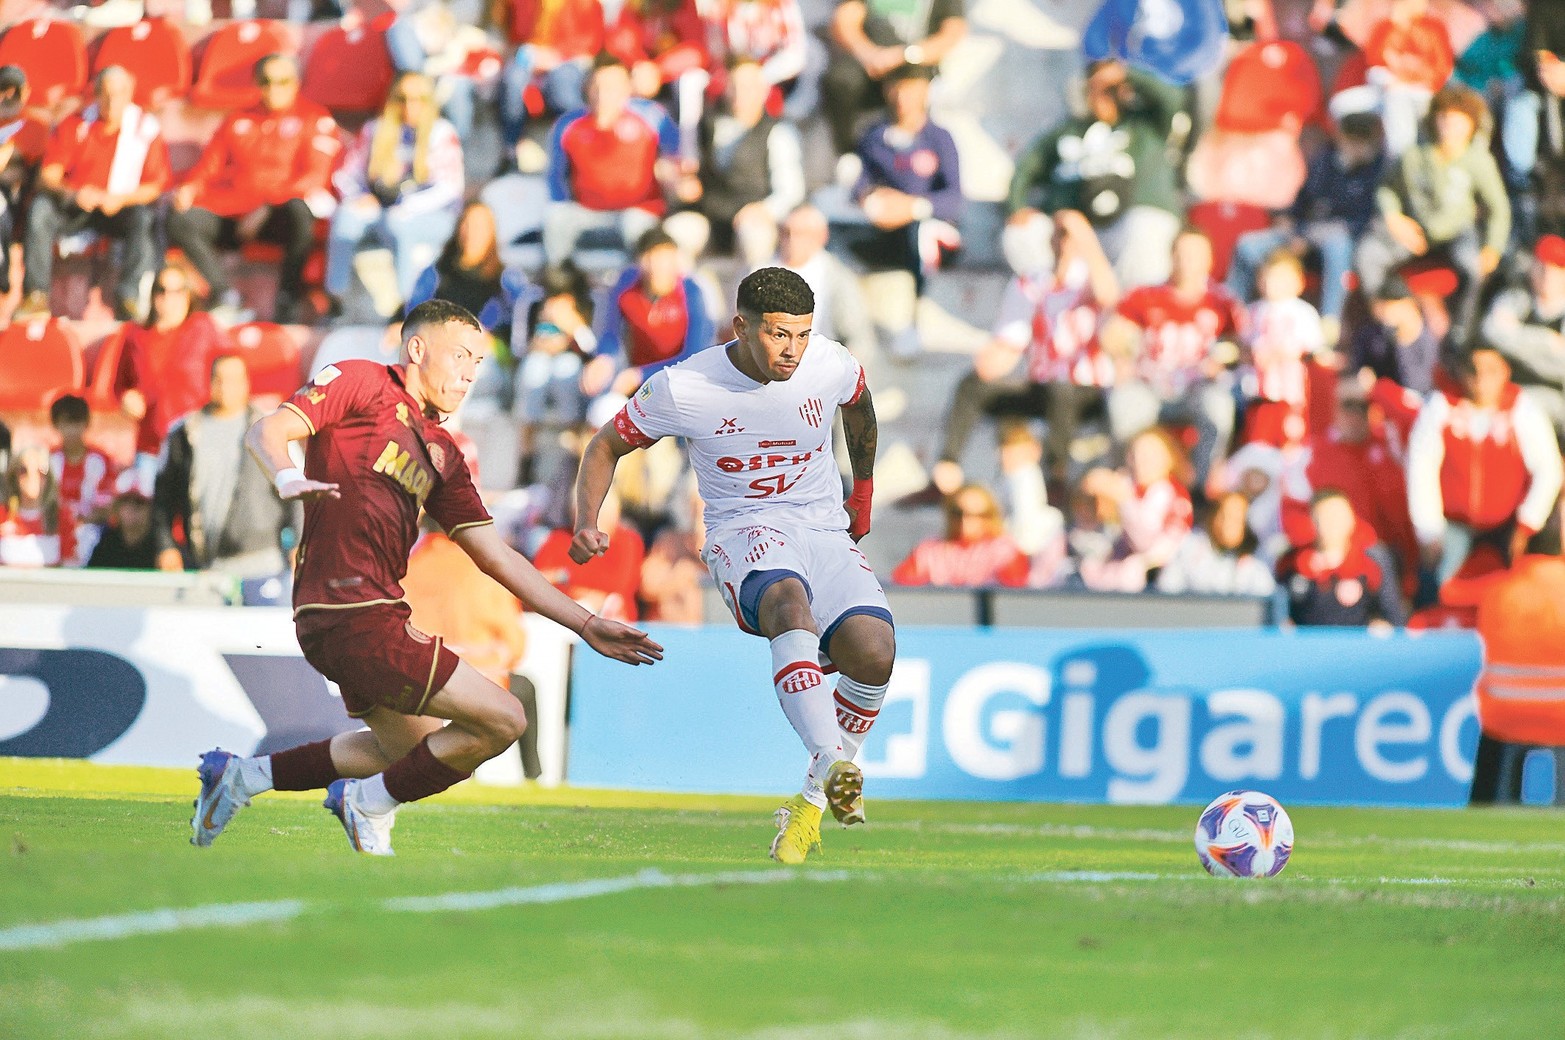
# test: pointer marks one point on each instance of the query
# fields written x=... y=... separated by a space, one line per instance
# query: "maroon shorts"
x=376 y=657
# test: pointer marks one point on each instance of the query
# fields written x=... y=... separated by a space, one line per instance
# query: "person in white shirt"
x=757 y=416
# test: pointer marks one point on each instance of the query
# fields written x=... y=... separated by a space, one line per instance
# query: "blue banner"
x=1327 y=717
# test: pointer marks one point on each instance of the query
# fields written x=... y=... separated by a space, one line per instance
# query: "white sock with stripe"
x=807 y=701
x=857 y=707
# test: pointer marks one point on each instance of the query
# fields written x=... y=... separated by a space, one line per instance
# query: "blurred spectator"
x=211 y=489
x=265 y=174
x=664 y=44
x=1024 y=498
x=910 y=189
x=102 y=172
x=1492 y=65
x=1397 y=347
x=36 y=530
x=1430 y=206
x=16 y=169
x=559 y=340
x=975 y=551
x=673 y=576
x=607 y=164
x=452 y=598
x=656 y=316
x=771 y=32
x=128 y=541
x=401 y=182
x=82 y=473
x=1543 y=64
x=1330 y=214
x=428 y=38
x=1220 y=558
x=164 y=369
x=1528 y=327
x=840 y=311
x=751 y=173
x=1483 y=466
x=606 y=584
x=1282 y=330
x=1174 y=343
x=469 y=271
x=1112 y=165
x=1044 y=359
x=1335 y=581
x=1409 y=57
x=5 y=447
x=1154 y=510
x=873 y=37
x=555 y=42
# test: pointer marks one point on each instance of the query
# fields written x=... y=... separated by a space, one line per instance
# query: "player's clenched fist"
x=589 y=542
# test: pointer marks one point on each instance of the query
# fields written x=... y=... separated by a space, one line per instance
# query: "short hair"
x=1458 y=98
x=1326 y=494
x=607 y=60
x=654 y=238
x=1283 y=258
x=68 y=408
x=220 y=358
x=437 y=312
x=1360 y=126
x=775 y=290
x=257 y=70
x=112 y=70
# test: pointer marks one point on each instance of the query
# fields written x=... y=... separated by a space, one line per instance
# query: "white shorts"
x=747 y=559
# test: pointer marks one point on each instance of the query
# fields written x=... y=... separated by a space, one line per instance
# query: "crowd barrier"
x=998 y=714
x=1122 y=716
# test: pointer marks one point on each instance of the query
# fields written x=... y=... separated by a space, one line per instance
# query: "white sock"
x=807 y=701
x=255 y=775
x=373 y=797
x=857 y=707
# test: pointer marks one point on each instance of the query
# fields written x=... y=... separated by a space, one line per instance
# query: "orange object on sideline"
x=451 y=597
x=1521 y=691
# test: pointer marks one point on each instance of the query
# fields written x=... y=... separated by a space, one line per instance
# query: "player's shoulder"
x=352 y=371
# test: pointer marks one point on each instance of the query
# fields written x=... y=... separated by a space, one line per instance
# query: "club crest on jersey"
x=812 y=412
x=728 y=426
x=437 y=455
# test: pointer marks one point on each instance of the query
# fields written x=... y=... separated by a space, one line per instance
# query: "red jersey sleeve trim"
x=858 y=390
x=300 y=413
x=471 y=523
x=628 y=430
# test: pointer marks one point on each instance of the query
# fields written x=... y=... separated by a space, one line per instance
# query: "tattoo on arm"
x=861 y=434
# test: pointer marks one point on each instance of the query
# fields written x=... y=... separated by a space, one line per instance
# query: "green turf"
x=933 y=923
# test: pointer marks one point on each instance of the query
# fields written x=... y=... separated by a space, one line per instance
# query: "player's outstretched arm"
x=593 y=480
x=522 y=580
x=268 y=441
x=862 y=434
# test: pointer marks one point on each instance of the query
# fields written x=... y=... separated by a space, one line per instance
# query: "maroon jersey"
x=388 y=459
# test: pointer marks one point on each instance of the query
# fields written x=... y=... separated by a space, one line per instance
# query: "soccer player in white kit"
x=757 y=414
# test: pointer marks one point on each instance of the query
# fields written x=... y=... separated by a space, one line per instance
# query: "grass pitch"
x=578 y=914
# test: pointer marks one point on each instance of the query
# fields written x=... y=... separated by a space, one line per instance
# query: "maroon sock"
x=419 y=774
x=305 y=768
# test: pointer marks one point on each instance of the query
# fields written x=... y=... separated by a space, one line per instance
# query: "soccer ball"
x=1244 y=834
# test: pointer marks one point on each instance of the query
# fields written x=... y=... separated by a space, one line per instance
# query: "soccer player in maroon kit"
x=376 y=456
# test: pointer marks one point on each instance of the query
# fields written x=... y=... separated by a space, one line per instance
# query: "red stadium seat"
x=273 y=356
x=39 y=360
x=225 y=71
x=53 y=54
x=350 y=70
x=1223 y=223
x=1269 y=86
x=155 y=52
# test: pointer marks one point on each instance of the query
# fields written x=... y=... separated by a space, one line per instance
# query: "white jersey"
x=761 y=451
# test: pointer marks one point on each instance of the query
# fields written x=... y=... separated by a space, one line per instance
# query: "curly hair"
x=775 y=290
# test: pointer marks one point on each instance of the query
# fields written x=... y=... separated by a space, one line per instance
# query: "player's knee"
x=506 y=725
x=872 y=663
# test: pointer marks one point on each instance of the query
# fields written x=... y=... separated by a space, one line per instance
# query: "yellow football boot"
x=798 y=831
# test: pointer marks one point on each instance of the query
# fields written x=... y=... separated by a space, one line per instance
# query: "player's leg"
x=484 y=721
x=862 y=644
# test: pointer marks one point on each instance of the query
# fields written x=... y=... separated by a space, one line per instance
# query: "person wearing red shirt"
x=1155 y=513
x=266 y=175
x=84 y=474
x=975 y=552
x=36 y=529
x=555 y=42
x=607 y=164
x=1335 y=581
x=1409 y=57
x=165 y=364
x=101 y=172
x=1175 y=342
x=1483 y=466
x=376 y=456
x=664 y=44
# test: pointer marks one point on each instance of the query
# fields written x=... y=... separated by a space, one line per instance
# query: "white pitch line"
x=569 y=891
x=146 y=922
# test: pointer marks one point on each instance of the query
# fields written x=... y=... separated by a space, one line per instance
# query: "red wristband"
x=859 y=503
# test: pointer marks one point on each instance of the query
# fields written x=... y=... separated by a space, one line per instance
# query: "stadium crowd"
x=1284 y=312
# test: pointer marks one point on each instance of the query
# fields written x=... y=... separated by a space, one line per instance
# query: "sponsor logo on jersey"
x=728 y=426
x=734 y=464
x=314 y=395
x=396 y=463
x=326 y=375
x=778 y=444
x=812 y=411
